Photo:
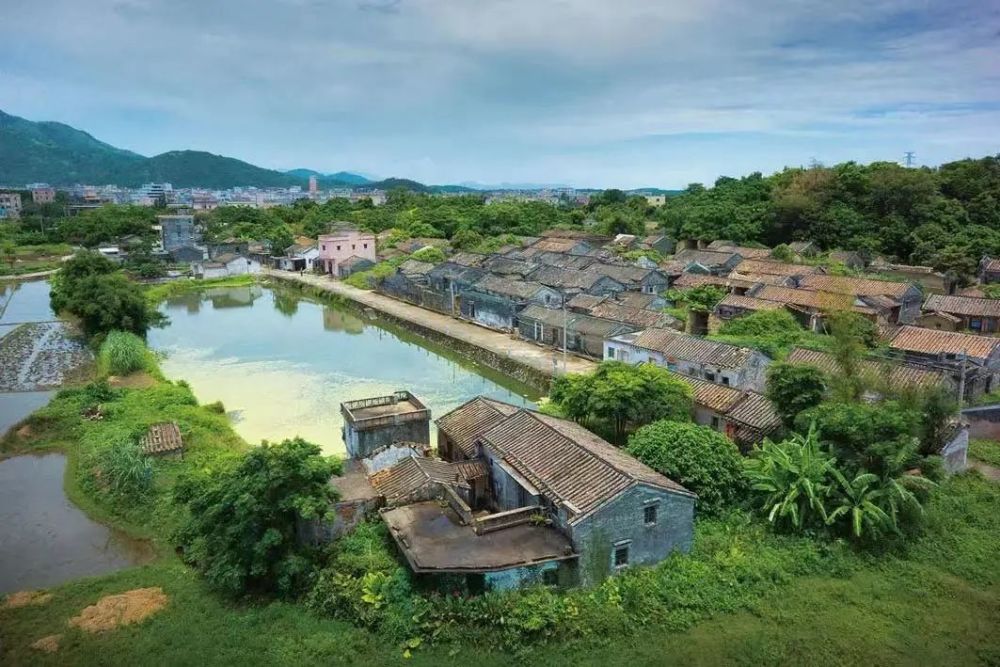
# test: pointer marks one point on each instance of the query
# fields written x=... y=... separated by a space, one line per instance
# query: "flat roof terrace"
x=396 y=408
x=433 y=539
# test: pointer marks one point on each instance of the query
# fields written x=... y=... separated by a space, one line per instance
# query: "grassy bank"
x=936 y=604
x=160 y=292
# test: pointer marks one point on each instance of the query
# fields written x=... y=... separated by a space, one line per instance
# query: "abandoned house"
x=745 y=417
x=953 y=353
x=721 y=363
x=975 y=315
x=494 y=301
x=579 y=333
x=371 y=423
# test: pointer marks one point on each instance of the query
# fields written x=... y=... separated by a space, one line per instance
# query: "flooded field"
x=281 y=364
x=44 y=538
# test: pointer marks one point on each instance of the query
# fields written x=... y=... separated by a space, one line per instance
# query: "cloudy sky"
x=624 y=93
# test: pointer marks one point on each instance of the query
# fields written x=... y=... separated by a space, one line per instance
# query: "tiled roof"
x=468 y=258
x=636 y=299
x=990 y=264
x=623 y=274
x=743 y=251
x=899 y=374
x=568 y=464
x=410 y=474
x=508 y=266
x=412 y=267
x=518 y=289
x=774 y=268
x=354 y=260
x=856 y=286
x=799 y=246
x=567 y=278
x=735 y=277
x=467 y=422
x=962 y=305
x=755 y=411
x=689 y=280
x=716 y=397
x=579 y=234
x=931 y=341
x=563 y=260
x=584 y=301
x=162 y=438
x=805 y=298
x=748 y=303
x=555 y=245
x=684 y=346
x=578 y=324
x=708 y=258
x=637 y=317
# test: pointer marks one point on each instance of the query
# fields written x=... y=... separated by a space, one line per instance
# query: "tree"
x=10 y=253
x=280 y=239
x=700 y=459
x=94 y=290
x=704 y=298
x=783 y=253
x=618 y=397
x=466 y=239
x=241 y=521
x=793 y=388
x=791 y=480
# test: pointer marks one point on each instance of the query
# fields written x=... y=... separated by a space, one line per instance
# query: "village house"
x=968 y=358
x=717 y=263
x=930 y=280
x=559 y=328
x=448 y=278
x=228 y=246
x=634 y=278
x=769 y=267
x=989 y=270
x=745 y=252
x=734 y=306
x=508 y=266
x=721 y=363
x=660 y=243
x=965 y=313
x=468 y=259
x=225 y=266
x=342 y=244
x=298 y=257
x=849 y=258
x=494 y=301
x=571 y=281
x=562 y=260
x=352 y=265
x=187 y=254
x=902 y=299
x=593 y=239
x=372 y=423
x=558 y=245
x=745 y=417
x=892 y=374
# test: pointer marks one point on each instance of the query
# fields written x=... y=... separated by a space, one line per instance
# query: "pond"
x=44 y=538
x=282 y=363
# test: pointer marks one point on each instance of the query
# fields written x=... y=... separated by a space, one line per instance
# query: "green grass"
x=987 y=451
x=937 y=604
x=160 y=292
x=123 y=353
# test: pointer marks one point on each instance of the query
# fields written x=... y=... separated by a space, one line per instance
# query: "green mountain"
x=62 y=155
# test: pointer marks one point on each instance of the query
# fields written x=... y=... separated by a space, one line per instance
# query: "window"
x=550 y=577
x=338 y=247
x=715 y=423
x=352 y=246
x=649 y=515
x=725 y=380
x=710 y=376
x=324 y=246
x=621 y=555
x=365 y=246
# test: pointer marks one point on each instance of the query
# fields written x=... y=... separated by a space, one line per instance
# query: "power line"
x=908 y=157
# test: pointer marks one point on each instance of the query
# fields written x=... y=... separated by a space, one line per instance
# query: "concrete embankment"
x=525 y=361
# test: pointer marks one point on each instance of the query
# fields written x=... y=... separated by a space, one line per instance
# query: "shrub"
x=121 y=469
x=429 y=254
x=793 y=388
x=241 y=525
x=217 y=407
x=702 y=460
x=122 y=353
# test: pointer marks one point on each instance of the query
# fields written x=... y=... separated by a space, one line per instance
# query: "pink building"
x=338 y=247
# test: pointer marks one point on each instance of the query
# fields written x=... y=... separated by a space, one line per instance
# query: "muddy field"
x=40 y=356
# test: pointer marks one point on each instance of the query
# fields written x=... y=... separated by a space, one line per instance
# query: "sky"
x=590 y=93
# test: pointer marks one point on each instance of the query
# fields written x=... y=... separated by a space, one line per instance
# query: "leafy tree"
x=241 y=526
x=792 y=481
x=10 y=252
x=618 y=397
x=700 y=459
x=783 y=253
x=793 y=388
x=429 y=254
x=466 y=239
x=94 y=290
x=704 y=298
x=773 y=332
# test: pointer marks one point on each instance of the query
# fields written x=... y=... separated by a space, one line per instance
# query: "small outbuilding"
x=163 y=440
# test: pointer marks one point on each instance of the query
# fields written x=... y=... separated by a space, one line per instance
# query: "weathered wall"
x=519 y=577
x=622 y=520
x=346 y=516
x=361 y=444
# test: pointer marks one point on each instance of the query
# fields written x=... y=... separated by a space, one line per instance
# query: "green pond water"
x=282 y=363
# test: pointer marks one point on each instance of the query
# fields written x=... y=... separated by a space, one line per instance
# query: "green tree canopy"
x=793 y=388
x=700 y=459
x=619 y=397
x=241 y=525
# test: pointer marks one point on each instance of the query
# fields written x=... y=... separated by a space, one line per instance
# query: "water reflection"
x=45 y=539
x=283 y=370
x=24 y=301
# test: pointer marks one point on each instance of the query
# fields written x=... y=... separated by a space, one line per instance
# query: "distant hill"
x=340 y=178
x=55 y=153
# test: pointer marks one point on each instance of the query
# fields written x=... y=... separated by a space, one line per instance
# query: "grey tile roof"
x=467 y=422
x=684 y=346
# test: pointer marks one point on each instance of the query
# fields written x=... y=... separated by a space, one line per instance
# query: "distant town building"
x=313 y=188
x=43 y=194
x=10 y=205
x=656 y=200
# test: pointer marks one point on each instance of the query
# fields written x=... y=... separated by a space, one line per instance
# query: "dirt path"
x=539 y=358
x=991 y=473
x=29 y=276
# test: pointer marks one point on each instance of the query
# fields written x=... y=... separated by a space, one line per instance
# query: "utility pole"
x=961 y=381
x=908 y=158
x=451 y=291
x=565 y=327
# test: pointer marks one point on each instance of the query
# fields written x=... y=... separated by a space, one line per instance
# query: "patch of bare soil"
x=125 y=608
x=25 y=598
x=48 y=644
x=25 y=432
x=138 y=380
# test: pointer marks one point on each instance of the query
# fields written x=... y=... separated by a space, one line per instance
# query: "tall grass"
x=123 y=353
